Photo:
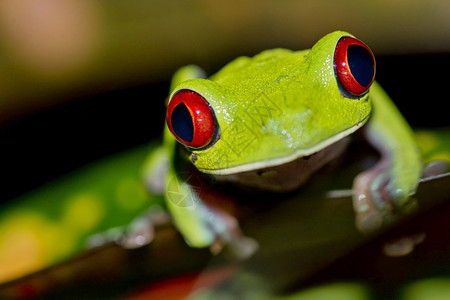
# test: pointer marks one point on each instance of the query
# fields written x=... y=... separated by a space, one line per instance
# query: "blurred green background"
x=82 y=79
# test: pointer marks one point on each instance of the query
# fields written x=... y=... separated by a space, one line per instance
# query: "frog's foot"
x=218 y=229
x=138 y=233
x=376 y=206
x=405 y=244
x=376 y=201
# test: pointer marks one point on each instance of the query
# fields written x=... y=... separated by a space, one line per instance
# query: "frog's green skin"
x=274 y=109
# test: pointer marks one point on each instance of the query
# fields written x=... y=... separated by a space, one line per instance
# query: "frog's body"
x=272 y=120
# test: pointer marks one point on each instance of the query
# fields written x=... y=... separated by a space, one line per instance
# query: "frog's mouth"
x=279 y=161
x=290 y=175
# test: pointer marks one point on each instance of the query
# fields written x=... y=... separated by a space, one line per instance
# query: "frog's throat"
x=288 y=158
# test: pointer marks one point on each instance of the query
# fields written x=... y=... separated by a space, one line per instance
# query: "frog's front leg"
x=383 y=192
x=203 y=224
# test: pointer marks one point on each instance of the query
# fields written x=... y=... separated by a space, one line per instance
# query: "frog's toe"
x=141 y=233
x=231 y=239
x=403 y=246
x=244 y=247
x=142 y=230
x=240 y=246
x=368 y=216
x=376 y=202
x=369 y=221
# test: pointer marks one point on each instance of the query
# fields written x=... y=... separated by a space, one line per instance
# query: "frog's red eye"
x=354 y=64
x=190 y=118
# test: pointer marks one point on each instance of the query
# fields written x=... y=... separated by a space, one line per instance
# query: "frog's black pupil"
x=361 y=64
x=182 y=122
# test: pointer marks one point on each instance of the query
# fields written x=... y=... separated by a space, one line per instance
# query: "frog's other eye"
x=354 y=65
x=191 y=119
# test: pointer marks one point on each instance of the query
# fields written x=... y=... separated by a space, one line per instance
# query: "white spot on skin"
x=140 y=240
x=361 y=205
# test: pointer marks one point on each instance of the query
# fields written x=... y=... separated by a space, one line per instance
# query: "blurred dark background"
x=84 y=79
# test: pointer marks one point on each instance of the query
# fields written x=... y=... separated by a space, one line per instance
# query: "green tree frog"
x=271 y=121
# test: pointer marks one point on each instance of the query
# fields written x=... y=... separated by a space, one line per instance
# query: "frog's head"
x=275 y=107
